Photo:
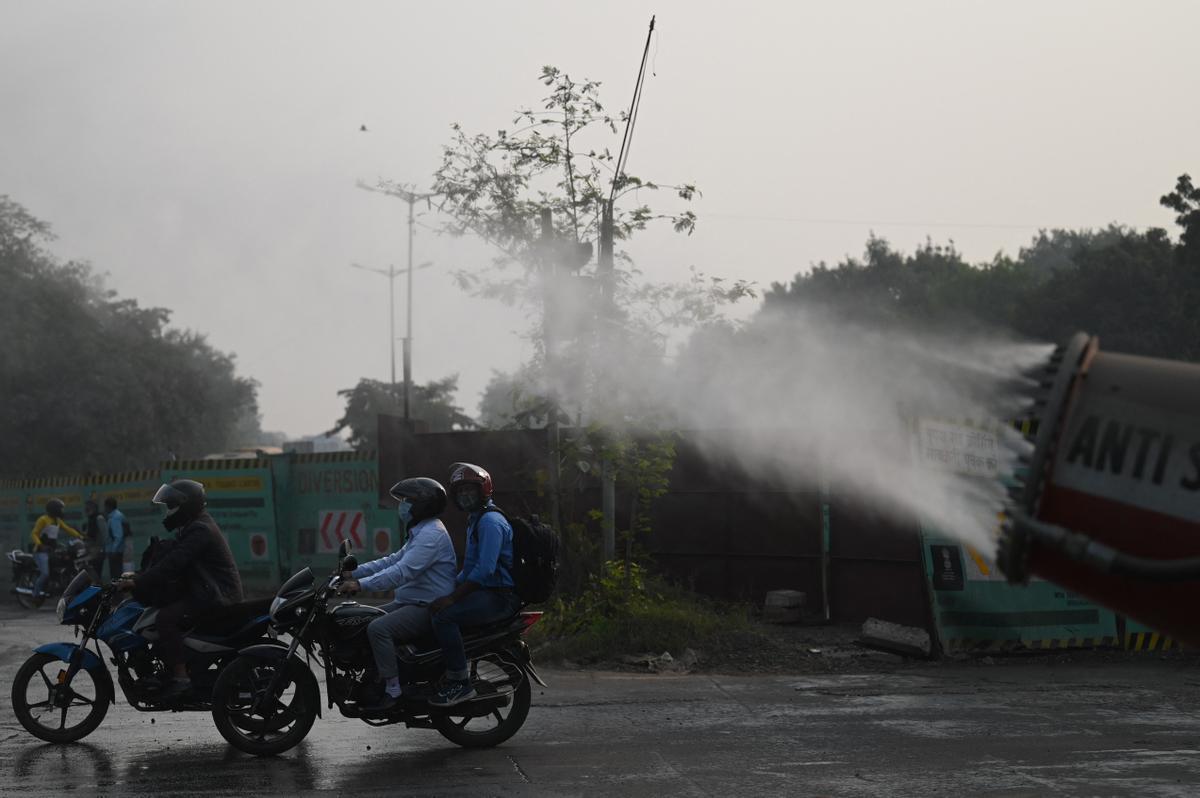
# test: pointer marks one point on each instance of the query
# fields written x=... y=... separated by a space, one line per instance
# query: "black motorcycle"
x=65 y=561
x=266 y=700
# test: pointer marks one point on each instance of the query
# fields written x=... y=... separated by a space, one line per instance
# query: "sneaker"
x=381 y=703
x=451 y=693
x=175 y=687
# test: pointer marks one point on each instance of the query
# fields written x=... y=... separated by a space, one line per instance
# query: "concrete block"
x=784 y=606
x=908 y=641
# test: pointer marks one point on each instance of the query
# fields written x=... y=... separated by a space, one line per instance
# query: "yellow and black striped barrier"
x=1043 y=644
x=1150 y=641
x=144 y=475
x=1131 y=641
x=236 y=463
x=333 y=457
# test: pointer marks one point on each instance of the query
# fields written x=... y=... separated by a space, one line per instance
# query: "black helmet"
x=185 y=499
x=55 y=508
x=427 y=496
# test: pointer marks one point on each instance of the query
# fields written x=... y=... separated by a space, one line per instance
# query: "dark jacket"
x=198 y=567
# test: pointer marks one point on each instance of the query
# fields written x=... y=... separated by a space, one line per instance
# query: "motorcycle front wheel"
x=492 y=677
x=25 y=582
x=52 y=711
x=258 y=724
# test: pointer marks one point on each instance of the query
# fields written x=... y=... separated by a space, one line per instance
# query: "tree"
x=587 y=319
x=432 y=403
x=509 y=403
x=496 y=187
x=1185 y=201
x=1134 y=289
x=93 y=382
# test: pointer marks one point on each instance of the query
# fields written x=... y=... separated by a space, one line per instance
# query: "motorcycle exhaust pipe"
x=1109 y=506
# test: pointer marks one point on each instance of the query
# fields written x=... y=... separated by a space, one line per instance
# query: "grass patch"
x=618 y=616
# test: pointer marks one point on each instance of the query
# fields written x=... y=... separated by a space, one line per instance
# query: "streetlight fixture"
x=412 y=198
x=391 y=273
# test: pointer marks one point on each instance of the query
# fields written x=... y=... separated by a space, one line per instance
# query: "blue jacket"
x=117 y=528
x=421 y=571
x=489 y=556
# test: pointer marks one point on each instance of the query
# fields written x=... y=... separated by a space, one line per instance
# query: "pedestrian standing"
x=118 y=540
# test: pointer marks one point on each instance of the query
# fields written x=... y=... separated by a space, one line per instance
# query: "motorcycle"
x=64 y=682
x=267 y=700
x=65 y=562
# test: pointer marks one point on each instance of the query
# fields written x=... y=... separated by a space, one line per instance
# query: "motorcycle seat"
x=428 y=644
x=223 y=621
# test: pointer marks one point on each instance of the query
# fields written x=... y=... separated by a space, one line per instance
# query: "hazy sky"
x=204 y=154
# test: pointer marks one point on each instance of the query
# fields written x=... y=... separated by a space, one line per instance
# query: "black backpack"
x=535 y=557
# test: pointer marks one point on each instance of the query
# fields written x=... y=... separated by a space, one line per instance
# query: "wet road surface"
x=1031 y=729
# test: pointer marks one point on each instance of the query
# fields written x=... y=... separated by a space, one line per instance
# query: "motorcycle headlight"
x=61 y=609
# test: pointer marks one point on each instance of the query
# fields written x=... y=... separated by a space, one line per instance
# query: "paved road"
x=1029 y=729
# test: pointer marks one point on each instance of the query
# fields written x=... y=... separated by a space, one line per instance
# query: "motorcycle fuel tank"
x=349 y=620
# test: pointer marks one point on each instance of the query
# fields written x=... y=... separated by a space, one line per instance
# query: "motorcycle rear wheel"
x=28 y=600
x=85 y=692
x=241 y=683
x=486 y=731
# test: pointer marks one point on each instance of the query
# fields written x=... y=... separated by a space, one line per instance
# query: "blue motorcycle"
x=62 y=693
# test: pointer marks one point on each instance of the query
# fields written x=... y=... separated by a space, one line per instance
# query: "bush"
x=634 y=613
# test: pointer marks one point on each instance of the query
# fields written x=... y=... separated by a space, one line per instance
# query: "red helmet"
x=468 y=474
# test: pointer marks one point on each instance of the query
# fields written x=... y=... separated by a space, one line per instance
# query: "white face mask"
x=404 y=510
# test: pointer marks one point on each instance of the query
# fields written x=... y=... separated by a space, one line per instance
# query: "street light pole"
x=391 y=273
x=411 y=197
x=408 y=316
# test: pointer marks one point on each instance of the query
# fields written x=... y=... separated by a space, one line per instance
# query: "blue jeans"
x=42 y=558
x=474 y=609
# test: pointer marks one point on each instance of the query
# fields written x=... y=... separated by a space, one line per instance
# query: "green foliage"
x=586 y=322
x=630 y=611
x=432 y=403
x=93 y=382
x=557 y=158
x=510 y=401
x=1185 y=201
x=1136 y=290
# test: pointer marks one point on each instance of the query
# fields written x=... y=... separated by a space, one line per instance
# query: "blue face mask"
x=404 y=510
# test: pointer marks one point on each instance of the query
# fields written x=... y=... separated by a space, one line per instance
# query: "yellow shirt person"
x=46 y=529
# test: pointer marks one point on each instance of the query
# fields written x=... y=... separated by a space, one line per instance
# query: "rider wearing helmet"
x=45 y=539
x=421 y=571
x=197 y=573
x=484 y=587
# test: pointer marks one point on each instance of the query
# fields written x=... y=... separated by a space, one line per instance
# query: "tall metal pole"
x=391 y=273
x=408 y=333
x=411 y=197
x=605 y=269
x=549 y=257
x=608 y=476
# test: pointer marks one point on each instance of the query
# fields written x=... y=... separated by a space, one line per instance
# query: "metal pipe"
x=1082 y=548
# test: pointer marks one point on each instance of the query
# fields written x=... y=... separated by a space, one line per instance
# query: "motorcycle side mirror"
x=349 y=563
x=343 y=549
